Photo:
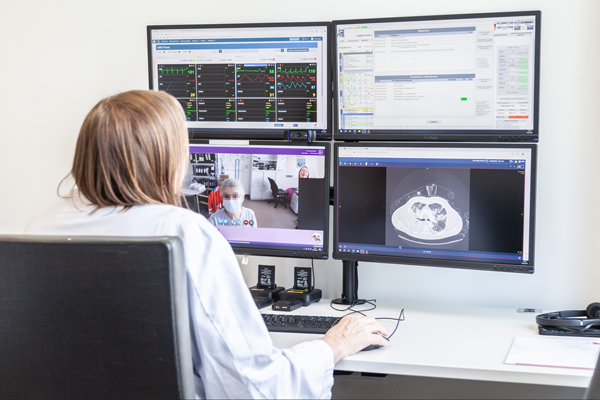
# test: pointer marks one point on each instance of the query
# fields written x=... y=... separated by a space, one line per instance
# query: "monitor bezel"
x=428 y=262
x=455 y=135
x=272 y=134
x=269 y=252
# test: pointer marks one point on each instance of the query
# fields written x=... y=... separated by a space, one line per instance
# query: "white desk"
x=447 y=342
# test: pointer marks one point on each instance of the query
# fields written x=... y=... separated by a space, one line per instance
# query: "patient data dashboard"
x=447 y=74
x=245 y=78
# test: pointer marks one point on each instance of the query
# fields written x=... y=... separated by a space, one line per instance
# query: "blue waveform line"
x=293 y=85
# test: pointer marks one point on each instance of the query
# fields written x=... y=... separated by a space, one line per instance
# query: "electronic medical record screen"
x=264 y=198
x=449 y=205
x=471 y=77
x=251 y=81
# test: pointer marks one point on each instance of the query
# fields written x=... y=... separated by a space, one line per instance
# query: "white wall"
x=58 y=58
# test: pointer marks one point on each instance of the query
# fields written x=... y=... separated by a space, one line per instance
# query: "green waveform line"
x=171 y=70
x=252 y=70
x=306 y=70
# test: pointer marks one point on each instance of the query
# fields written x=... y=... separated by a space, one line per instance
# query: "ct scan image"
x=428 y=208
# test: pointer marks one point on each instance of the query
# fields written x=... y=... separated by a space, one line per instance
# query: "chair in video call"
x=278 y=194
x=93 y=317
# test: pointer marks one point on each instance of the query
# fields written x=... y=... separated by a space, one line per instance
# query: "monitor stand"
x=349 y=284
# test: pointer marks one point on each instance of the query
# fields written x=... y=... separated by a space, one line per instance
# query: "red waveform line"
x=259 y=77
x=287 y=78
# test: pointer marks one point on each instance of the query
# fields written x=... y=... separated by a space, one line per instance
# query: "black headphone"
x=571 y=319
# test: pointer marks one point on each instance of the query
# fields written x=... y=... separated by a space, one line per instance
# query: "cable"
x=400 y=318
x=585 y=328
x=350 y=307
x=356 y=280
x=312 y=268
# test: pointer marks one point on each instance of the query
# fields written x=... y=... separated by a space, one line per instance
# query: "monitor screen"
x=265 y=198
x=472 y=77
x=436 y=204
x=255 y=81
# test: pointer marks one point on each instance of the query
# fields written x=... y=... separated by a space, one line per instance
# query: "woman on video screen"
x=232 y=213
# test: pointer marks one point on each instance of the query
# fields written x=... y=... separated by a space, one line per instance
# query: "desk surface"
x=446 y=342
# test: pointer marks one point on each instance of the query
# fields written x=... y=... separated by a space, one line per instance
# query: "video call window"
x=268 y=196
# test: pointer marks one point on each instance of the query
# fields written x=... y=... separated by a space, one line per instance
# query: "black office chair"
x=92 y=317
x=593 y=391
x=278 y=194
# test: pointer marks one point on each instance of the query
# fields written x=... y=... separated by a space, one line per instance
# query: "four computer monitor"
x=453 y=205
x=470 y=77
x=254 y=81
x=265 y=198
x=434 y=79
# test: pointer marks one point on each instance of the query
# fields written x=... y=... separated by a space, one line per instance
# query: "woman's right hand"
x=352 y=334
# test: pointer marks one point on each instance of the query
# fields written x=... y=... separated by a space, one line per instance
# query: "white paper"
x=552 y=352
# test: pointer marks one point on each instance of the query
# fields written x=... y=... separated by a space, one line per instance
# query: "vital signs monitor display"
x=245 y=81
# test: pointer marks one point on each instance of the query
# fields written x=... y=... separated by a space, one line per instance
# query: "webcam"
x=300 y=136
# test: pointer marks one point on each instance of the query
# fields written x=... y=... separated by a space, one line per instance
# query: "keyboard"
x=299 y=323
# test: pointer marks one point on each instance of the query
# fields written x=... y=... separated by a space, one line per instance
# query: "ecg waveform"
x=173 y=71
x=309 y=69
x=296 y=80
x=293 y=85
x=259 y=78
x=291 y=78
x=255 y=80
x=243 y=92
x=177 y=80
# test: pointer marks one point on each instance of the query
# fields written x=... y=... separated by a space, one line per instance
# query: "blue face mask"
x=232 y=206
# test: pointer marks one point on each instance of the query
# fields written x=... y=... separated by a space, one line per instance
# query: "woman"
x=130 y=159
x=232 y=213
x=303 y=173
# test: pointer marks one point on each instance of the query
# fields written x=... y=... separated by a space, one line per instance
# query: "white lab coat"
x=232 y=351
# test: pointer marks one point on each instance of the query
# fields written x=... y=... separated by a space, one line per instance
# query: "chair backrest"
x=93 y=317
x=593 y=391
x=274 y=187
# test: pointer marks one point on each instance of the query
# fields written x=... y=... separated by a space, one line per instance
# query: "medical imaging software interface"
x=449 y=203
x=245 y=78
x=452 y=74
x=261 y=196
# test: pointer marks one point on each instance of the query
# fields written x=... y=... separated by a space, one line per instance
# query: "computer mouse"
x=372 y=347
x=375 y=346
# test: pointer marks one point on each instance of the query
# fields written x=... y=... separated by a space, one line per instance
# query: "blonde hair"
x=307 y=171
x=132 y=150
